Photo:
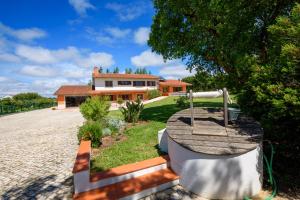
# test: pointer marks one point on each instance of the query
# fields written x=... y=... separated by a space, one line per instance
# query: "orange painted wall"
x=60 y=99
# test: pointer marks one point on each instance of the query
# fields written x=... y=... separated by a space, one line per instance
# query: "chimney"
x=96 y=70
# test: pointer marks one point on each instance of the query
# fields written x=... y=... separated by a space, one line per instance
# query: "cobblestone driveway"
x=38 y=149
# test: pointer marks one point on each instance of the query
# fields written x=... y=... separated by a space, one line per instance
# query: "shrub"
x=151 y=94
x=132 y=111
x=27 y=96
x=106 y=132
x=115 y=124
x=90 y=130
x=120 y=101
x=95 y=108
x=182 y=102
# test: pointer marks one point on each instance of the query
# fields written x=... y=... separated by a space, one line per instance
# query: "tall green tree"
x=204 y=81
x=214 y=34
x=116 y=70
x=257 y=44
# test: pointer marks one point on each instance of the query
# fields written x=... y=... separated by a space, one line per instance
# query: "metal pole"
x=225 y=101
x=192 y=108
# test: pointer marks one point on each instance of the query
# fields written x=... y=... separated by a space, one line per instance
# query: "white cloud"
x=35 y=54
x=171 y=69
x=107 y=36
x=26 y=34
x=7 y=57
x=13 y=88
x=99 y=59
x=141 y=36
x=81 y=6
x=38 y=71
x=117 y=32
x=149 y=59
x=4 y=79
x=175 y=71
x=71 y=55
x=130 y=11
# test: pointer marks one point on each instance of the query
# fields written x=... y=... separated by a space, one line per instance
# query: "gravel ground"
x=38 y=149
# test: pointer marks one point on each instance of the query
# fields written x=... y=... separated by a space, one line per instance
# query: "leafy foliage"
x=95 y=108
x=128 y=71
x=132 y=111
x=182 y=102
x=27 y=96
x=204 y=81
x=142 y=71
x=90 y=130
x=25 y=102
x=272 y=93
x=120 y=101
x=116 y=70
x=151 y=94
x=255 y=43
x=116 y=125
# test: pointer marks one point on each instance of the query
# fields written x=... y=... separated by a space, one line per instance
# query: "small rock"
x=161 y=196
x=175 y=196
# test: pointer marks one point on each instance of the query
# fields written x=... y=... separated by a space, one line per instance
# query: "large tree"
x=257 y=44
x=215 y=34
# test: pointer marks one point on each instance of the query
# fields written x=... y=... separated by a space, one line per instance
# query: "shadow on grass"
x=163 y=112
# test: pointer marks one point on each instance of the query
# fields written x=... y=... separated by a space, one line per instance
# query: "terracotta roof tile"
x=73 y=90
x=131 y=76
x=173 y=83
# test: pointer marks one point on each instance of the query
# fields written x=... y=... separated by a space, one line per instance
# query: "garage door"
x=74 y=101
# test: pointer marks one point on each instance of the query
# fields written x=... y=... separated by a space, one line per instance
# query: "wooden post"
x=192 y=108
x=225 y=101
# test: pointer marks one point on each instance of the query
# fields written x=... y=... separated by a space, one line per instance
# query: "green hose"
x=270 y=172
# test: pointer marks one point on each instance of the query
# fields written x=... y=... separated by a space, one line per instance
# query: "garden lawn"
x=141 y=140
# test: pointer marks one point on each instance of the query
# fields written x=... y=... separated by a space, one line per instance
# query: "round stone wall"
x=218 y=176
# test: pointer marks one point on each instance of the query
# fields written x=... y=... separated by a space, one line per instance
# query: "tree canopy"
x=257 y=45
x=215 y=34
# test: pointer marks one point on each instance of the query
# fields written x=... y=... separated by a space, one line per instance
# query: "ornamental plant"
x=95 y=108
x=151 y=94
x=91 y=130
x=132 y=111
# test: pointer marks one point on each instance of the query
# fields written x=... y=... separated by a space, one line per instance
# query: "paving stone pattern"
x=38 y=150
x=175 y=193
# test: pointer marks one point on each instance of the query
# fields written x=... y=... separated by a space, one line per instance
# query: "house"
x=125 y=86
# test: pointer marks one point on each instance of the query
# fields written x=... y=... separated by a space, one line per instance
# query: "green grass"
x=141 y=140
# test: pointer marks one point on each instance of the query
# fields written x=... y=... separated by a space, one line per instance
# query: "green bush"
x=27 y=96
x=95 y=108
x=151 y=94
x=120 y=101
x=272 y=92
x=115 y=125
x=132 y=111
x=90 y=130
x=182 y=102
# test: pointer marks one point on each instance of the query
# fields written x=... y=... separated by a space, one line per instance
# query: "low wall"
x=84 y=181
x=217 y=177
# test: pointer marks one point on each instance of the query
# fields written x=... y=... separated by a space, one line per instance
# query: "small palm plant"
x=132 y=111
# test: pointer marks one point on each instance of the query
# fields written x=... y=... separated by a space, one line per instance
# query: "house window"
x=151 y=83
x=138 y=83
x=140 y=96
x=124 y=82
x=108 y=83
x=165 y=89
x=125 y=97
x=177 y=89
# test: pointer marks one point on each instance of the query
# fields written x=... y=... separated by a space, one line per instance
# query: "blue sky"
x=45 y=44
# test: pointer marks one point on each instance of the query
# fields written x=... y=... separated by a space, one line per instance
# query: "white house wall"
x=100 y=84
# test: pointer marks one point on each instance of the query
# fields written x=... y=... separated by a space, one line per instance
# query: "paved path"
x=38 y=149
